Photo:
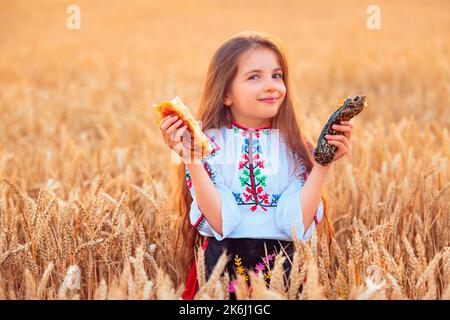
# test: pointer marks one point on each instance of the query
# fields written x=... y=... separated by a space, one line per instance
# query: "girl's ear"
x=227 y=101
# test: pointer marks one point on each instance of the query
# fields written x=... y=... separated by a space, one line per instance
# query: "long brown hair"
x=214 y=114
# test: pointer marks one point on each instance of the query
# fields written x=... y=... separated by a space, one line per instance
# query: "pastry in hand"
x=176 y=107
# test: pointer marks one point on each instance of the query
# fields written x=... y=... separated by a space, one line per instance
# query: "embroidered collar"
x=234 y=124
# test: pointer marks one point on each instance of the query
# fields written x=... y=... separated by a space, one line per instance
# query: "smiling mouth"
x=268 y=99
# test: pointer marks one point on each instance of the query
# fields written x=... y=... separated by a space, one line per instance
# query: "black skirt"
x=248 y=254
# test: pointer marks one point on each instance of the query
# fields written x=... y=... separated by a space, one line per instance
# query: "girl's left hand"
x=341 y=141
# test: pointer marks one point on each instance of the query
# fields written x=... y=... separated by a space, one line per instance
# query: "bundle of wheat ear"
x=177 y=107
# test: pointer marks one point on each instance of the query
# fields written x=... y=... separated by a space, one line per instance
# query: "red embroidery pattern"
x=251 y=176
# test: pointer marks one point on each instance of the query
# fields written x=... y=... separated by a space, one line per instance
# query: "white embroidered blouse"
x=250 y=167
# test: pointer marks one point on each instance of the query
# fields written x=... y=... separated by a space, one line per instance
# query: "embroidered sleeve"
x=231 y=215
x=289 y=210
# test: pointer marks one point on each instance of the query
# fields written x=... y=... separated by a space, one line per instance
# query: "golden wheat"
x=86 y=184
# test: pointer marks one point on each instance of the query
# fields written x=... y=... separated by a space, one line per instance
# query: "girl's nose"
x=270 y=85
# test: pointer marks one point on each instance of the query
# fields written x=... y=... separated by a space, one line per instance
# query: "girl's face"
x=259 y=77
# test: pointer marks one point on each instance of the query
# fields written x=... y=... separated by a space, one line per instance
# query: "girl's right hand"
x=176 y=136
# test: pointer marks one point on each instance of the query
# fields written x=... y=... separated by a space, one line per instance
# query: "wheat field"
x=86 y=183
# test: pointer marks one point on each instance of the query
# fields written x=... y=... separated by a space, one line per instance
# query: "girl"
x=245 y=197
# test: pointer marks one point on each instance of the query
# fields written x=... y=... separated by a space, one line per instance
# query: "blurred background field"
x=75 y=103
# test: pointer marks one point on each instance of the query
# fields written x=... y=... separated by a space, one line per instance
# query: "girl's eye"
x=277 y=74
